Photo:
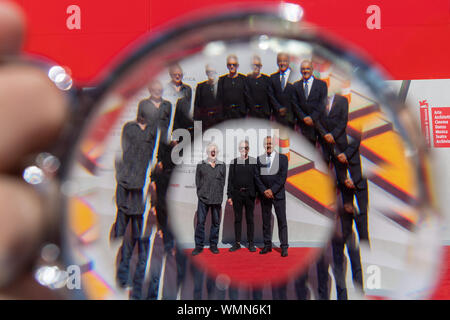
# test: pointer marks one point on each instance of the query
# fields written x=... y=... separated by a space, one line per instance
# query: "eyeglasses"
x=232 y=64
x=244 y=148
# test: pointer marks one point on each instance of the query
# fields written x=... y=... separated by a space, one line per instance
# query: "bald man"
x=310 y=99
x=282 y=92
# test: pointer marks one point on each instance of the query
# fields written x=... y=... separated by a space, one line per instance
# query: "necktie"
x=328 y=106
x=283 y=80
x=306 y=89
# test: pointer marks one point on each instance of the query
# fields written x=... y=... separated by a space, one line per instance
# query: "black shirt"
x=137 y=150
x=242 y=175
x=259 y=96
x=233 y=96
x=182 y=117
x=210 y=182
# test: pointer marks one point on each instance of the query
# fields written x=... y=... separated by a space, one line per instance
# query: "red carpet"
x=442 y=291
x=253 y=269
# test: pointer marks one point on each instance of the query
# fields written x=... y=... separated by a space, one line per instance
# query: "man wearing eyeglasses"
x=258 y=85
x=232 y=91
x=206 y=104
x=241 y=193
x=210 y=182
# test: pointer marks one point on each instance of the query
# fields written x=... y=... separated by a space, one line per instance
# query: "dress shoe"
x=214 y=249
x=265 y=250
x=284 y=252
x=197 y=251
x=235 y=247
x=251 y=247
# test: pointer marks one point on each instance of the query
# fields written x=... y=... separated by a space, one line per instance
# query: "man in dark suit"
x=310 y=99
x=355 y=185
x=179 y=95
x=241 y=193
x=206 y=104
x=282 y=91
x=331 y=126
x=270 y=178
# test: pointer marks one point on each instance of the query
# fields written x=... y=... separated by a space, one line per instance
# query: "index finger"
x=12 y=28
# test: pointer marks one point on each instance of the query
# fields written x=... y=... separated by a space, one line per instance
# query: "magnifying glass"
x=190 y=173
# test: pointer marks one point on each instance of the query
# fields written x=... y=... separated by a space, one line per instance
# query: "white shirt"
x=310 y=83
x=330 y=104
x=269 y=159
x=287 y=73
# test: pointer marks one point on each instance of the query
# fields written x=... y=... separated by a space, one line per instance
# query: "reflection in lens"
x=138 y=210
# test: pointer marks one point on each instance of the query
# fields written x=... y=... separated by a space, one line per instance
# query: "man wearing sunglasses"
x=232 y=91
x=241 y=193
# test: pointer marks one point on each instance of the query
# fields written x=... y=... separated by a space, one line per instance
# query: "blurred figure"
x=232 y=91
x=157 y=111
x=355 y=187
x=259 y=91
x=206 y=103
x=210 y=181
x=241 y=193
x=310 y=100
x=270 y=179
x=181 y=95
x=137 y=148
x=331 y=127
x=282 y=91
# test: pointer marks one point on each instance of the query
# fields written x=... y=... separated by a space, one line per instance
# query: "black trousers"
x=129 y=242
x=280 y=211
x=339 y=265
x=243 y=200
x=361 y=221
x=339 y=168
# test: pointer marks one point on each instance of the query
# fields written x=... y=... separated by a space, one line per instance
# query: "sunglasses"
x=232 y=64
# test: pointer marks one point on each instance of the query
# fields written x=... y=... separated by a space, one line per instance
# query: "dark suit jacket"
x=282 y=98
x=316 y=102
x=354 y=163
x=274 y=179
x=206 y=103
x=335 y=122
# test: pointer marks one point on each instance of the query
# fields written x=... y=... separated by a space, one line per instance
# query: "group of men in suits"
x=247 y=177
x=322 y=121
